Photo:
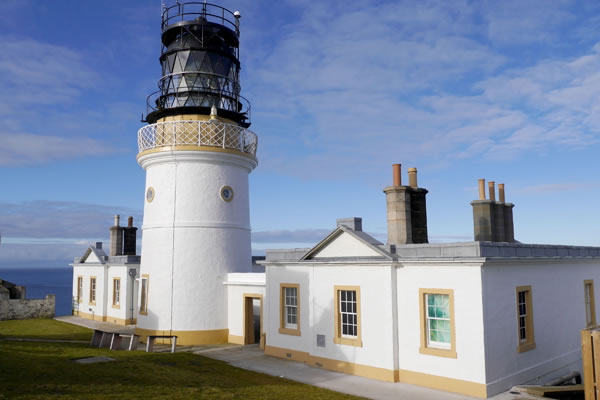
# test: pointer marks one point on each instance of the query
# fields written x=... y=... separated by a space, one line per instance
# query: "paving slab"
x=93 y=360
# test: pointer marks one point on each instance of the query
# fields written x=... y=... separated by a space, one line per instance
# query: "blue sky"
x=506 y=91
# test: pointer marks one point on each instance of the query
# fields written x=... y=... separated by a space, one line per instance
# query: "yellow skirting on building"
x=104 y=318
x=381 y=374
x=235 y=339
x=188 y=338
x=388 y=375
x=441 y=383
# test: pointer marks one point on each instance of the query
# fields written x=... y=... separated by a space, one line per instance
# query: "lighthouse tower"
x=197 y=153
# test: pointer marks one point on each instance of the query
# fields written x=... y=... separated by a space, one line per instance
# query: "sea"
x=42 y=281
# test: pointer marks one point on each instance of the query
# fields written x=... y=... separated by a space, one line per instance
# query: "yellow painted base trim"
x=366 y=371
x=104 y=318
x=405 y=376
x=188 y=338
x=93 y=317
x=119 y=321
x=442 y=383
x=235 y=339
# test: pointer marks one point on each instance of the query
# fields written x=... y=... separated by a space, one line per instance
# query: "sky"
x=506 y=91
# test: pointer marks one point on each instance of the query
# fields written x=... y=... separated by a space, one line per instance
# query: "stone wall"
x=27 y=308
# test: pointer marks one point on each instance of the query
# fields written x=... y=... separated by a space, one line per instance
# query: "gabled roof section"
x=93 y=255
x=344 y=242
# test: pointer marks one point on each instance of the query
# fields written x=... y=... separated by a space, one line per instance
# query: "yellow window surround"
x=338 y=336
x=426 y=347
x=282 y=310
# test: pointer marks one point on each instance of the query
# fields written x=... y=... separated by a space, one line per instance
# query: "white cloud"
x=59 y=220
x=420 y=81
x=18 y=149
x=552 y=188
x=34 y=72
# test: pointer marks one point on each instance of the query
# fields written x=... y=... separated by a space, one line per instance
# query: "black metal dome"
x=200 y=64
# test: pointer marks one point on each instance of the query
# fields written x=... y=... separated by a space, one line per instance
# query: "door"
x=253 y=305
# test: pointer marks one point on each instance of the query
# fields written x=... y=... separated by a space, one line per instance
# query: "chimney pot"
x=129 y=222
x=397 y=174
x=117 y=219
x=492 y=190
x=501 y=192
x=412 y=177
x=481 y=189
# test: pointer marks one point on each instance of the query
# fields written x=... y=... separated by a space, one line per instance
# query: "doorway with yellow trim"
x=253 y=319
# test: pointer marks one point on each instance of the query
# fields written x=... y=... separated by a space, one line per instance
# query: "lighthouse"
x=197 y=152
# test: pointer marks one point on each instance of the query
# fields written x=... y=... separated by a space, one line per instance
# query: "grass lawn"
x=32 y=370
x=43 y=328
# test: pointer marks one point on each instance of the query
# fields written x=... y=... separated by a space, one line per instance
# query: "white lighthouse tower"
x=197 y=153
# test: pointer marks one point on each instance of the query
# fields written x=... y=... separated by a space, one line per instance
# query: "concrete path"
x=104 y=326
x=252 y=358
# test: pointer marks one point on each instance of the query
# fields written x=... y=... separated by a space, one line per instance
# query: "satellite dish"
x=132 y=272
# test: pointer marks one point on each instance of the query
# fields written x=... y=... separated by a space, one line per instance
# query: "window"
x=436 y=307
x=290 y=309
x=144 y=295
x=116 y=292
x=93 y=290
x=80 y=289
x=525 y=319
x=347 y=316
x=590 y=306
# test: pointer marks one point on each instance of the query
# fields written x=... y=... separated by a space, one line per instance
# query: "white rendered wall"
x=465 y=280
x=239 y=284
x=346 y=246
x=124 y=310
x=192 y=238
x=558 y=318
x=317 y=312
x=87 y=271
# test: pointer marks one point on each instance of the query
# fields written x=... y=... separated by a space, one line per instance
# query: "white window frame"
x=432 y=343
x=116 y=291
x=93 y=284
x=523 y=308
x=80 y=289
x=351 y=315
x=590 y=307
x=290 y=295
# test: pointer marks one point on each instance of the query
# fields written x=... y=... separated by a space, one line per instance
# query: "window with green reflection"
x=438 y=320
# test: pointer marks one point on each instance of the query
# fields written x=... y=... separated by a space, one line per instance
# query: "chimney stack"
x=406 y=210
x=129 y=238
x=116 y=238
x=492 y=220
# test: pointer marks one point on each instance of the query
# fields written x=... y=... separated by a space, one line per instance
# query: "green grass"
x=43 y=328
x=35 y=370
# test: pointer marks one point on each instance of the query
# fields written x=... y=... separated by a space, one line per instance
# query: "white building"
x=473 y=318
x=105 y=287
